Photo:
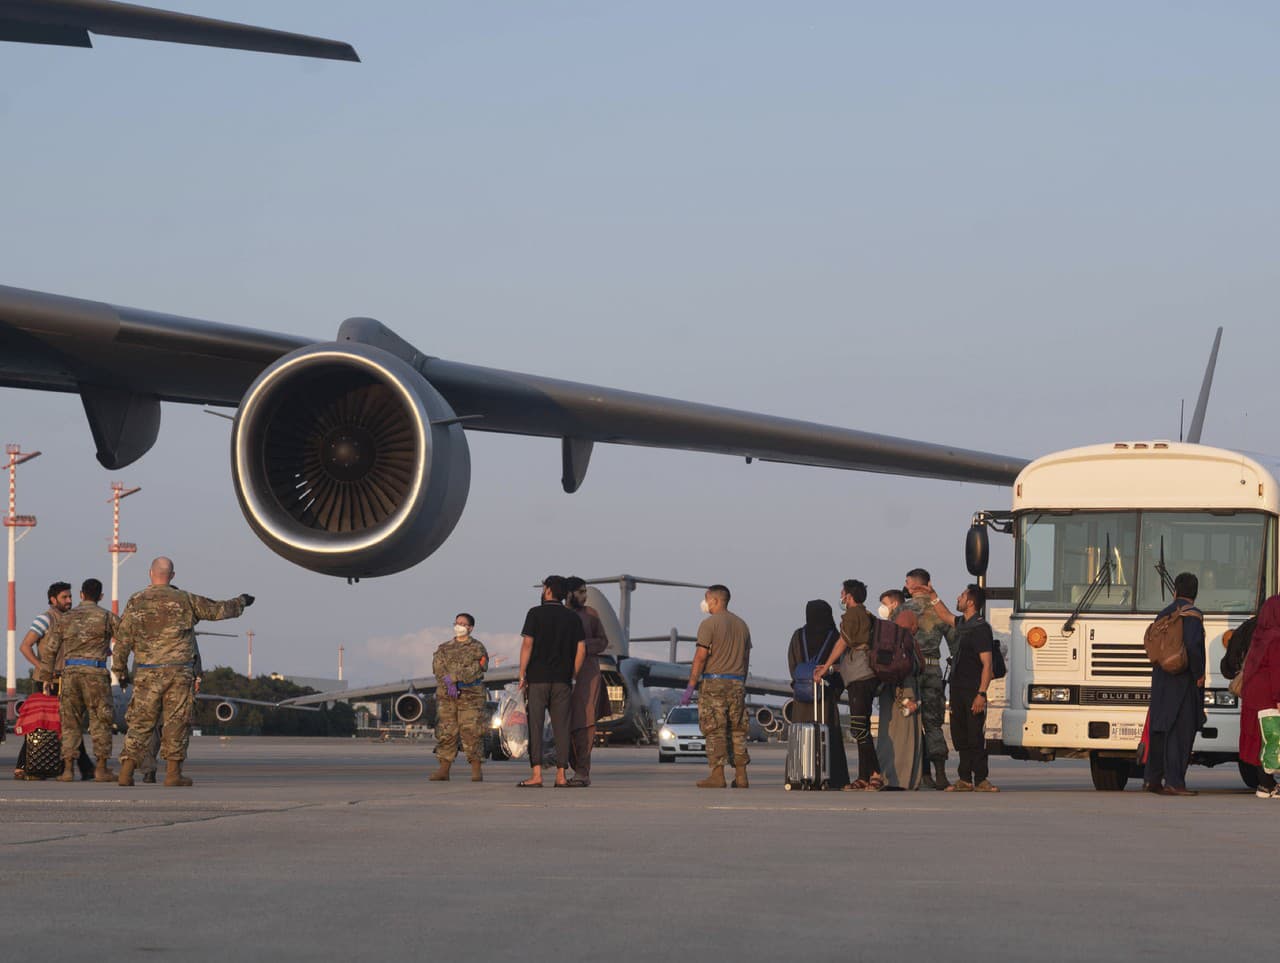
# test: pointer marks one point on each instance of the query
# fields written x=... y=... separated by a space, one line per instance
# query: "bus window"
x=1061 y=554
x=1225 y=552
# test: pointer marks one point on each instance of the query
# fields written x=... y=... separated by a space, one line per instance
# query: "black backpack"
x=998 y=668
x=893 y=651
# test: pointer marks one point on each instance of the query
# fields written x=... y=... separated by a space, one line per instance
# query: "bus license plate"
x=1127 y=731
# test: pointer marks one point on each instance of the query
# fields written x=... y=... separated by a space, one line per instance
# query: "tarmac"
x=326 y=849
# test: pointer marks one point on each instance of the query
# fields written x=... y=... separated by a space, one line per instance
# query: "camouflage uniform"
x=147 y=766
x=933 y=699
x=722 y=714
x=464 y=660
x=83 y=634
x=158 y=625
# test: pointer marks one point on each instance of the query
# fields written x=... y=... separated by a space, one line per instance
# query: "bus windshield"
x=1060 y=553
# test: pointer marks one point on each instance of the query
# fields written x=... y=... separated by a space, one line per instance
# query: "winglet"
x=1202 y=403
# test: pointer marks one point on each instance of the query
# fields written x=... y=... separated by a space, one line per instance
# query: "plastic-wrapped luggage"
x=40 y=724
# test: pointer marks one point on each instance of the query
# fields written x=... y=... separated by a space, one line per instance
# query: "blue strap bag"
x=802 y=675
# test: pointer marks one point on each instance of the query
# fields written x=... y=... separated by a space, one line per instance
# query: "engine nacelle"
x=224 y=712
x=410 y=708
x=341 y=463
x=788 y=711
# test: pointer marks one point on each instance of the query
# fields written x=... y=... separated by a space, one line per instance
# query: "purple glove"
x=450 y=687
x=688 y=696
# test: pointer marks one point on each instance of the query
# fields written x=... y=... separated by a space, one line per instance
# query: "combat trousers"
x=461 y=717
x=969 y=733
x=85 y=692
x=861 y=694
x=162 y=696
x=722 y=717
x=933 y=711
x=554 y=697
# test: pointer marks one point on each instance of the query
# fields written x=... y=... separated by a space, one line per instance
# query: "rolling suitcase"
x=40 y=725
x=809 y=750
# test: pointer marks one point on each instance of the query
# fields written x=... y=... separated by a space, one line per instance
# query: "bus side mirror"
x=977 y=550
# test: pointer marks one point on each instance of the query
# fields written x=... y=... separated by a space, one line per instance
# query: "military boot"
x=715 y=780
x=476 y=774
x=442 y=771
x=68 y=773
x=126 y=772
x=740 y=777
x=173 y=774
x=102 y=773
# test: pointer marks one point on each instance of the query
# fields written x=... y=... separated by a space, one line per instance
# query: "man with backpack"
x=1177 y=697
x=853 y=651
x=971 y=642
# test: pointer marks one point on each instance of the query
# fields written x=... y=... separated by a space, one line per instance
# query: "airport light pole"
x=249 y=635
x=117 y=547
x=13 y=522
x=340 y=651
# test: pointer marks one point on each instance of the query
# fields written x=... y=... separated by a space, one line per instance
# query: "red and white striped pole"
x=118 y=548
x=13 y=521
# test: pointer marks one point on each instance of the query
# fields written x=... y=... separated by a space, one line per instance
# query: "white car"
x=679 y=735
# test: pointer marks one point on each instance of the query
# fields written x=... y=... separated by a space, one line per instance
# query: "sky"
x=1011 y=227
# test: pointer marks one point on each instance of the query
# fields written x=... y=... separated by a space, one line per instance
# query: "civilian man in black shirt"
x=551 y=653
x=971 y=642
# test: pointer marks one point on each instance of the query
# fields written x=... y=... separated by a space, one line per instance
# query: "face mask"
x=884 y=611
x=461 y=631
x=844 y=606
x=706 y=609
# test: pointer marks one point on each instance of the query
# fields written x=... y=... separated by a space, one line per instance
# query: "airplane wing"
x=349 y=456
x=672 y=675
x=68 y=23
x=214 y=697
x=390 y=690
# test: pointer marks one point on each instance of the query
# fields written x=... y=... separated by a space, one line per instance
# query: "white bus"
x=1099 y=533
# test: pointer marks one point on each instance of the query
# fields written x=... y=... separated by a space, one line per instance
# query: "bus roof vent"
x=1140 y=444
x=1121 y=444
x=1161 y=444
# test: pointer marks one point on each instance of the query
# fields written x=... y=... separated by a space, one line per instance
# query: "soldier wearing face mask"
x=459 y=667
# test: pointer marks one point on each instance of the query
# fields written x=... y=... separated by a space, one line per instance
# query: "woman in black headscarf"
x=818 y=635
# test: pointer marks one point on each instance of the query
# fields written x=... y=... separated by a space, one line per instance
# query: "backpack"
x=893 y=651
x=998 y=667
x=1163 y=640
x=802 y=674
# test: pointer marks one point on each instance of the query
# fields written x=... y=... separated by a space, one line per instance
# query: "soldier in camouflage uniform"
x=80 y=641
x=722 y=660
x=936 y=623
x=158 y=625
x=459 y=667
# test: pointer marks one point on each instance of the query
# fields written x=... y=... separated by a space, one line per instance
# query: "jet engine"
x=410 y=708
x=348 y=462
x=768 y=720
x=788 y=711
x=224 y=712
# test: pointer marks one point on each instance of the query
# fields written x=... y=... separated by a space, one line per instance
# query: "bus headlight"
x=1037 y=637
x=1040 y=693
x=1061 y=695
x=1220 y=698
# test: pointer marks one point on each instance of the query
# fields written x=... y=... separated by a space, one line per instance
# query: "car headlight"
x=495 y=722
x=666 y=734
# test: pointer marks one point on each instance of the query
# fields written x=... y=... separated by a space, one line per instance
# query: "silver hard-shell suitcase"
x=809 y=749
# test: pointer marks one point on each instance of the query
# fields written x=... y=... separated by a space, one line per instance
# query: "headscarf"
x=1266 y=635
x=819 y=622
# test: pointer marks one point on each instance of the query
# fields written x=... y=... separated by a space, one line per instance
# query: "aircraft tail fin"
x=1202 y=403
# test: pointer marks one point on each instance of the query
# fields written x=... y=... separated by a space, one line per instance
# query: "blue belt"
x=164 y=665
x=464 y=685
x=724 y=675
x=92 y=663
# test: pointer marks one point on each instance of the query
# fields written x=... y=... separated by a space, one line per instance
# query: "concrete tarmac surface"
x=340 y=849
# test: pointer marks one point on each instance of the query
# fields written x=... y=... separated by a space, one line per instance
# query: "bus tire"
x=1248 y=773
x=1110 y=774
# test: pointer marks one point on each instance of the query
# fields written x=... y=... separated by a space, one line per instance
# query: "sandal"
x=877 y=783
x=528 y=785
x=857 y=785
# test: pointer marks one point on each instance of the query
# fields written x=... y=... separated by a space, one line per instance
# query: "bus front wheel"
x=1110 y=774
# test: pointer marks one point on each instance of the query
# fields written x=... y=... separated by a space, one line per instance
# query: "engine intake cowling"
x=224 y=712
x=410 y=708
x=338 y=465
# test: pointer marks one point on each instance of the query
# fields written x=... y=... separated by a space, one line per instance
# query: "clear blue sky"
x=1009 y=226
